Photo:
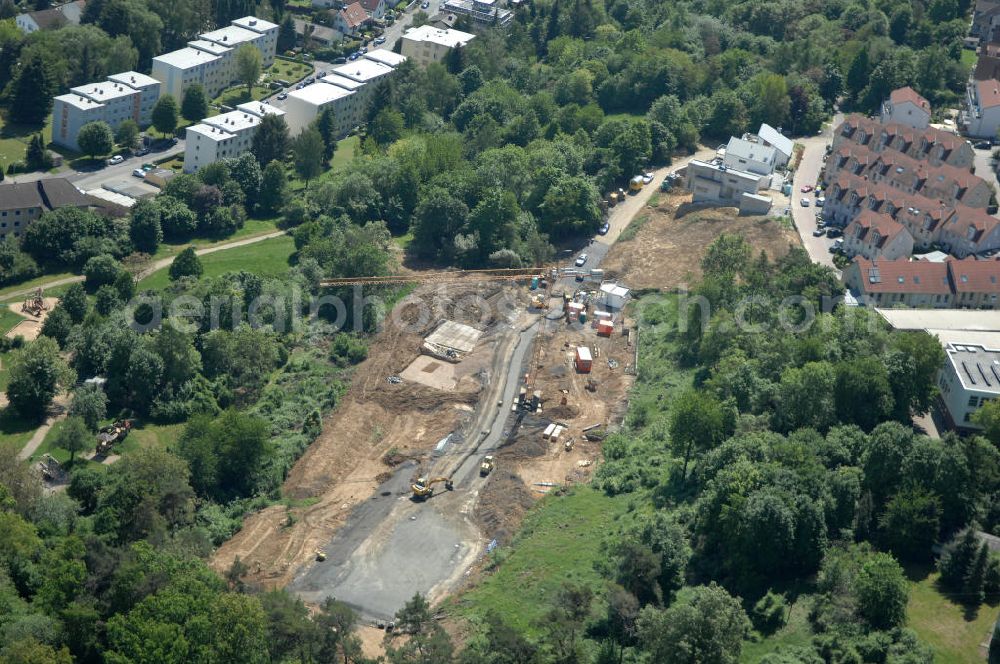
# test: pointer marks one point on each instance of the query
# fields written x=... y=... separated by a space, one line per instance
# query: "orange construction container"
x=584 y=360
x=605 y=328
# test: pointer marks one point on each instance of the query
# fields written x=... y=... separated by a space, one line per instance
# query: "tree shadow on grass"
x=12 y=424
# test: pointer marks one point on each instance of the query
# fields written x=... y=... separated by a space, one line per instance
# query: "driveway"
x=807 y=174
x=985 y=170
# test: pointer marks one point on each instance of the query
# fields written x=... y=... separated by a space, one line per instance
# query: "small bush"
x=770 y=613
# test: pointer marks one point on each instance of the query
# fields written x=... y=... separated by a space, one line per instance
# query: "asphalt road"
x=808 y=174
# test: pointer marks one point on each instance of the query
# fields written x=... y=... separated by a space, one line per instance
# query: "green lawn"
x=968 y=59
x=14 y=431
x=559 y=541
x=8 y=319
x=32 y=283
x=951 y=629
x=281 y=69
x=341 y=158
x=266 y=258
x=796 y=632
x=143 y=436
x=251 y=228
x=14 y=141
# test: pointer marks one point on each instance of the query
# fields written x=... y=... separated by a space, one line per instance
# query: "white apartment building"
x=970 y=378
x=385 y=57
x=303 y=106
x=180 y=69
x=226 y=135
x=125 y=96
x=210 y=59
x=149 y=92
x=713 y=182
x=365 y=71
x=428 y=44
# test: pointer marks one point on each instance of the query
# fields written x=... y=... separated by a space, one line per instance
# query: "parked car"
x=117 y=159
x=820 y=201
x=139 y=173
x=142 y=151
x=806 y=188
x=603 y=230
x=340 y=61
x=283 y=96
x=354 y=56
x=819 y=232
x=834 y=232
x=300 y=86
x=805 y=202
x=837 y=246
x=379 y=41
x=321 y=74
x=647 y=178
x=982 y=145
x=581 y=259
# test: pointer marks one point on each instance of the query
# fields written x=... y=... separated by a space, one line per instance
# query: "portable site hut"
x=584 y=360
x=605 y=328
x=601 y=315
x=574 y=309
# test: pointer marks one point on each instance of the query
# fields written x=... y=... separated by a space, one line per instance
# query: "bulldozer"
x=486 y=467
x=111 y=434
x=423 y=488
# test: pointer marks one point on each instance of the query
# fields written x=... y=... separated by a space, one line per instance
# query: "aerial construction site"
x=480 y=394
x=449 y=429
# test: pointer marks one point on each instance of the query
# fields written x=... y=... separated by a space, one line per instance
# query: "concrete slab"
x=456 y=336
x=431 y=372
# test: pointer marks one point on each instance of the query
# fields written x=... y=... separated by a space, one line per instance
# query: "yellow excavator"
x=424 y=488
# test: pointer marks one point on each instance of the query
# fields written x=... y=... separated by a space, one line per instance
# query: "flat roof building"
x=125 y=96
x=427 y=44
x=969 y=379
x=224 y=136
x=303 y=106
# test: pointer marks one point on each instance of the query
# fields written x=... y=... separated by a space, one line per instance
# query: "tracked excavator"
x=423 y=488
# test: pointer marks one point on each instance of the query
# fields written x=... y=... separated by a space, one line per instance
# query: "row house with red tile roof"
x=958 y=229
x=877 y=236
x=954 y=283
x=942 y=182
x=932 y=145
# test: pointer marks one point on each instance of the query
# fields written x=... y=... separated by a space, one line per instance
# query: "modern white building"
x=210 y=60
x=365 y=71
x=385 y=57
x=303 y=106
x=981 y=116
x=226 y=135
x=969 y=379
x=428 y=44
x=713 y=182
x=485 y=13
x=784 y=146
x=906 y=107
x=745 y=155
x=125 y=96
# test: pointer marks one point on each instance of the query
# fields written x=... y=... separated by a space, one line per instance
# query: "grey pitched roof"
x=49 y=194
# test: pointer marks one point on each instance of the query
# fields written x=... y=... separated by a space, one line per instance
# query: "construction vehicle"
x=613 y=199
x=539 y=301
x=486 y=467
x=320 y=556
x=111 y=434
x=34 y=305
x=423 y=488
x=635 y=184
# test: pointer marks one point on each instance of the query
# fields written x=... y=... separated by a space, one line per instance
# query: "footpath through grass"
x=268 y=258
x=559 y=542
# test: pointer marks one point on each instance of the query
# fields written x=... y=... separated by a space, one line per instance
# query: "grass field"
x=14 y=141
x=143 y=436
x=342 y=157
x=796 y=632
x=266 y=258
x=251 y=228
x=14 y=431
x=557 y=544
x=951 y=629
x=968 y=59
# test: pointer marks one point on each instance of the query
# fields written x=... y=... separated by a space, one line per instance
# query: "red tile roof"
x=371 y=6
x=988 y=92
x=974 y=276
x=909 y=94
x=869 y=220
x=354 y=15
x=903 y=276
x=965 y=216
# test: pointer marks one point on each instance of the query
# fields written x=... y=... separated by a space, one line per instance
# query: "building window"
x=973 y=401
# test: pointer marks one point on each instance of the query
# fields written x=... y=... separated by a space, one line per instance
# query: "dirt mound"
x=668 y=248
x=562 y=412
x=418 y=397
x=501 y=506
